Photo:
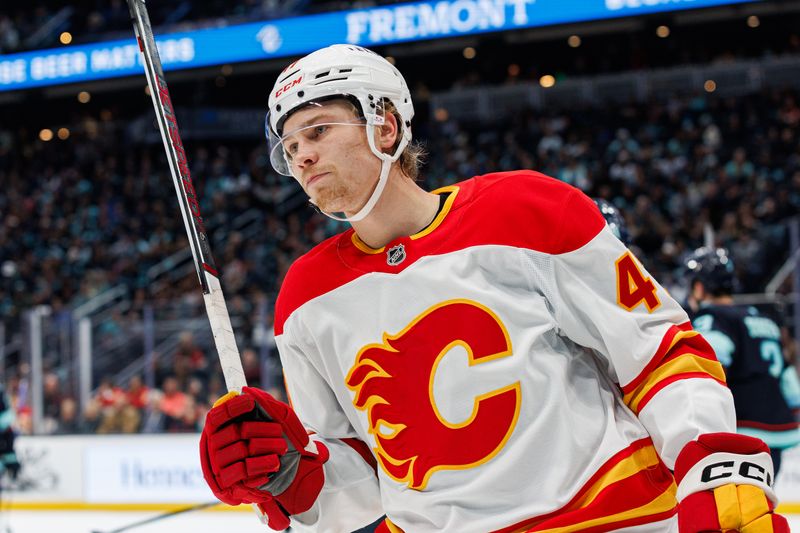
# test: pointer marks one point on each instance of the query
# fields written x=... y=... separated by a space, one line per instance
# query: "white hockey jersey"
x=512 y=367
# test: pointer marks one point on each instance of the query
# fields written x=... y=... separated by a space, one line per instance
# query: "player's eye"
x=319 y=130
x=291 y=150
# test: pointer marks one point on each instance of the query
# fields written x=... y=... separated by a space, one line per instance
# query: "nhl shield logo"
x=396 y=255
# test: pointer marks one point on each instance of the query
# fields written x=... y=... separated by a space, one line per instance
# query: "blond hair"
x=413 y=156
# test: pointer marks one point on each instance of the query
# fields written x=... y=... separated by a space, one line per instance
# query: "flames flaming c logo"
x=393 y=382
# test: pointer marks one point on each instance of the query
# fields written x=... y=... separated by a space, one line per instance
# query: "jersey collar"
x=450 y=190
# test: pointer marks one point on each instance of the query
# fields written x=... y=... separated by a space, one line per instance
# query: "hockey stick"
x=187 y=199
x=162 y=516
x=190 y=210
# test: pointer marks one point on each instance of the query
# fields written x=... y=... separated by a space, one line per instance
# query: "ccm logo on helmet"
x=288 y=86
x=725 y=469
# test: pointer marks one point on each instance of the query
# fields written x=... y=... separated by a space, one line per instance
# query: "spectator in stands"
x=119 y=417
x=575 y=173
x=108 y=394
x=69 y=421
x=252 y=367
x=53 y=397
x=194 y=358
x=173 y=405
x=153 y=418
x=625 y=170
x=137 y=393
x=92 y=417
x=9 y=36
x=739 y=168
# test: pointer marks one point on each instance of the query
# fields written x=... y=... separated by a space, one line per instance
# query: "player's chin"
x=330 y=202
x=326 y=205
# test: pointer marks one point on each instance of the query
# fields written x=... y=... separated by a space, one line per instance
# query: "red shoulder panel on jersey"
x=534 y=211
x=304 y=280
x=522 y=209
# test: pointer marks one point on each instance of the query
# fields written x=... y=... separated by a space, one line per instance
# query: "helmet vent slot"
x=288 y=76
x=331 y=79
x=322 y=74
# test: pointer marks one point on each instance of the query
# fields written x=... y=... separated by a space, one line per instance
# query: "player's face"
x=330 y=156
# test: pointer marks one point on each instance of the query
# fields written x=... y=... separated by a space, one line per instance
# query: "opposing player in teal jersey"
x=748 y=344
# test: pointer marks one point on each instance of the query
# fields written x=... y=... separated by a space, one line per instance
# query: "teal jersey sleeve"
x=790 y=386
x=723 y=345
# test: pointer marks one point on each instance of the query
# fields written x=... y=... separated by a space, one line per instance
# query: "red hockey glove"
x=254 y=450
x=725 y=484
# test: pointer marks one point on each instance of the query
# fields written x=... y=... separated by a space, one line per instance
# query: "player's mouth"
x=314 y=178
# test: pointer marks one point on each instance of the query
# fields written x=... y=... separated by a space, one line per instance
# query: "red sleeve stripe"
x=682 y=354
x=691 y=375
x=363 y=450
x=703 y=354
x=673 y=336
x=684 y=366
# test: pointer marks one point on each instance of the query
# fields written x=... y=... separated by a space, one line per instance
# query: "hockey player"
x=8 y=457
x=483 y=357
x=748 y=344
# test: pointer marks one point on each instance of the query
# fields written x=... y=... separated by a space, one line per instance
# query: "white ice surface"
x=196 y=522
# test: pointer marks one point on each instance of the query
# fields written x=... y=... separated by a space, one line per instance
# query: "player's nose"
x=306 y=155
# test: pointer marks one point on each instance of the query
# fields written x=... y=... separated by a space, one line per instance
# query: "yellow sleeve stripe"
x=661 y=504
x=673 y=337
x=639 y=460
x=684 y=366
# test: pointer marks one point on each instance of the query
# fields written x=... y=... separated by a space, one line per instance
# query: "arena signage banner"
x=154 y=468
x=51 y=470
x=82 y=471
x=298 y=35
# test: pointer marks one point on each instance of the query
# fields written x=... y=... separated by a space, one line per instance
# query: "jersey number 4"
x=633 y=288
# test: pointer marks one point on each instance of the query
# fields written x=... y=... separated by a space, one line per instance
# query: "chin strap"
x=386 y=166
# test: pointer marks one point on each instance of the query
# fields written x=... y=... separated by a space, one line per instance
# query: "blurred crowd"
x=188 y=386
x=80 y=216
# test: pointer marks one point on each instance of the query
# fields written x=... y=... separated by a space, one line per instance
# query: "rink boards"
x=161 y=472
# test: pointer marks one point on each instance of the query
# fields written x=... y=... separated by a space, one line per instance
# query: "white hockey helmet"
x=347 y=71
